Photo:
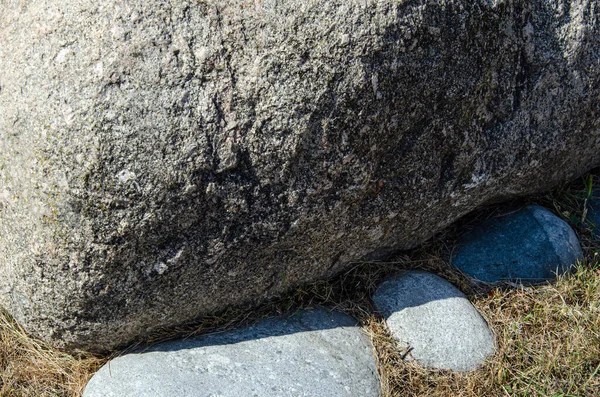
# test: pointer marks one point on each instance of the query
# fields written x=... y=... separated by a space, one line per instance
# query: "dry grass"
x=548 y=337
x=32 y=368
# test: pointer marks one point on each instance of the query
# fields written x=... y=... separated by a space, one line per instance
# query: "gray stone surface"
x=531 y=245
x=313 y=353
x=165 y=160
x=435 y=320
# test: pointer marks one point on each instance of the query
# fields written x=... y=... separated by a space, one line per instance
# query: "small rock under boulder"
x=531 y=245
x=311 y=353
x=435 y=320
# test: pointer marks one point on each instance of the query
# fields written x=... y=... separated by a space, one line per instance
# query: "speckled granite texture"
x=160 y=161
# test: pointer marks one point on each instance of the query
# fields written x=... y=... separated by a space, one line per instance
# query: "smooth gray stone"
x=531 y=245
x=311 y=353
x=435 y=320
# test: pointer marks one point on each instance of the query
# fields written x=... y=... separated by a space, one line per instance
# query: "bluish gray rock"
x=531 y=245
x=435 y=320
x=311 y=353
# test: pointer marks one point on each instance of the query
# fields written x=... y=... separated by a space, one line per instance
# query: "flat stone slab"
x=311 y=353
x=435 y=320
x=531 y=245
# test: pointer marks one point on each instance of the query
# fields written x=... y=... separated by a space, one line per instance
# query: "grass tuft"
x=29 y=367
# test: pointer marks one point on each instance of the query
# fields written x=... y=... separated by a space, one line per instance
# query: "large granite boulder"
x=164 y=160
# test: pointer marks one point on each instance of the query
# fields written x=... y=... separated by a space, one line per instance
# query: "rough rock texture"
x=531 y=245
x=435 y=320
x=160 y=160
x=312 y=354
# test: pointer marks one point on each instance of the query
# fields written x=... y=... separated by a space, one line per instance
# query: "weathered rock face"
x=163 y=160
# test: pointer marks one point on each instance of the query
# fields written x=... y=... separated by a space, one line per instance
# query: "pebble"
x=435 y=321
x=530 y=246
